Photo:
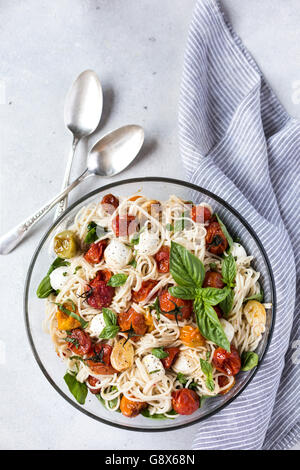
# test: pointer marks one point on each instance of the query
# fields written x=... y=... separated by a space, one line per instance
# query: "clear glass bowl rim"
x=186 y=184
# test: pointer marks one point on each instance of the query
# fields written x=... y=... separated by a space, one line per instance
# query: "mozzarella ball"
x=58 y=277
x=148 y=243
x=96 y=325
x=238 y=250
x=153 y=366
x=117 y=254
x=228 y=329
x=185 y=363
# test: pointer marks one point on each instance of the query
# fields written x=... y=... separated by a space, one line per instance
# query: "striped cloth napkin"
x=237 y=141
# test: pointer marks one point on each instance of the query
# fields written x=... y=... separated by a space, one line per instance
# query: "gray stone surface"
x=136 y=47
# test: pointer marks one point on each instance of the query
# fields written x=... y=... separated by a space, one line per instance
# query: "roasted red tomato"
x=99 y=360
x=168 y=361
x=215 y=239
x=132 y=319
x=130 y=408
x=168 y=303
x=93 y=382
x=105 y=275
x=110 y=203
x=98 y=293
x=124 y=225
x=143 y=292
x=218 y=311
x=200 y=214
x=185 y=401
x=82 y=343
x=213 y=279
x=229 y=363
x=223 y=381
x=95 y=252
x=162 y=259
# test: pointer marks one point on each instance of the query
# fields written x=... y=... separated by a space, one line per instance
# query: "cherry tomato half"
x=168 y=361
x=168 y=303
x=185 y=401
x=229 y=363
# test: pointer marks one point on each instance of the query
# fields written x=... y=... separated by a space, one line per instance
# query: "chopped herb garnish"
x=70 y=313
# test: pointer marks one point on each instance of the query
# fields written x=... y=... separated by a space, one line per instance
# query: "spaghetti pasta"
x=160 y=223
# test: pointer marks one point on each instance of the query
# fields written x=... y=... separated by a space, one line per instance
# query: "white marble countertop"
x=136 y=47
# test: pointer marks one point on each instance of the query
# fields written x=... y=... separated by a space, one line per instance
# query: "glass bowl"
x=54 y=369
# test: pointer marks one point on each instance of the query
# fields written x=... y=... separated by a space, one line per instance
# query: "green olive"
x=65 y=244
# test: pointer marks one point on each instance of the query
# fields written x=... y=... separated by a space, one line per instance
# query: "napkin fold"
x=238 y=141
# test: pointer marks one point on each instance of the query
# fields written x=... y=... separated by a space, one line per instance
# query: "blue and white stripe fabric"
x=238 y=142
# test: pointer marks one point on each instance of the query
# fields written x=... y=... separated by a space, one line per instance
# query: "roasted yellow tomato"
x=122 y=355
x=149 y=321
x=65 y=244
x=255 y=314
x=64 y=321
x=191 y=337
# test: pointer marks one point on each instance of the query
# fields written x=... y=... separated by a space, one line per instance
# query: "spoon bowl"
x=115 y=151
x=83 y=105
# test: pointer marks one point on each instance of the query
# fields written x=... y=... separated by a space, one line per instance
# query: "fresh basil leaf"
x=136 y=237
x=57 y=263
x=147 y=414
x=117 y=280
x=182 y=223
x=79 y=390
x=225 y=231
x=207 y=370
x=68 y=312
x=94 y=232
x=133 y=263
x=181 y=378
x=259 y=297
x=45 y=289
x=187 y=293
x=186 y=269
x=249 y=360
x=229 y=271
x=170 y=227
x=227 y=304
x=209 y=324
x=212 y=295
x=111 y=403
x=160 y=353
x=109 y=316
x=109 y=332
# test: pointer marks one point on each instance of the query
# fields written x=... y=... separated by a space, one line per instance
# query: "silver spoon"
x=109 y=156
x=82 y=113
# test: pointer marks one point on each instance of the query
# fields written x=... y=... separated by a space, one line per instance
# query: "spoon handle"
x=12 y=238
x=61 y=207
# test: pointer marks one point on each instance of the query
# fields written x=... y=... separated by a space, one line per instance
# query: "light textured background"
x=136 y=47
